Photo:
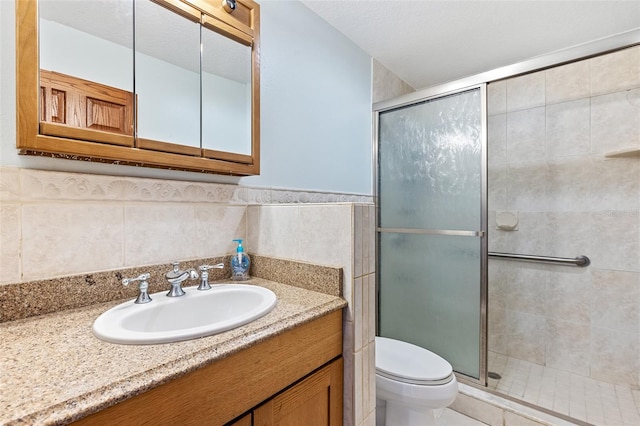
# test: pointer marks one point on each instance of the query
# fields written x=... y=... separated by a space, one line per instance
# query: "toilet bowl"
x=411 y=382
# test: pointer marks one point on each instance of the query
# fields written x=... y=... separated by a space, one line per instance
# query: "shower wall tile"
x=568 y=82
x=497 y=238
x=527 y=186
x=497 y=188
x=497 y=139
x=497 y=330
x=527 y=91
x=618 y=242
x=63 y=239
x=620 y=290
x=387 y=85
x=525 y=290
x=569 y=184
x=568 y=346
x=530 y=238
x=618 y=184
x=615 y=121
x=526 y=337
x=614 y=356
x=616 y=71
x=526 y=135
x=568 y=295
x=498 y=278
x=569 y=234
x=497 y=98
x=568 y=129
x=555 y=167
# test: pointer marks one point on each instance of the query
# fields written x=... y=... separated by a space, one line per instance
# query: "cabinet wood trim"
x=83 y=149
x=227 y=30
x=229 y=156
x=169 y=147
x=64 y=131
x=243 y=18
x=221 y=391
x=181 y=8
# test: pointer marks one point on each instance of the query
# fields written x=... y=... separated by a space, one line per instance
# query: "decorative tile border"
x=27 y=299
x=33 y=185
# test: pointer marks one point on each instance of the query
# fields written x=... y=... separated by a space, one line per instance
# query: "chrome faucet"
x=204 y=275
x=143 y=297
x=176 y=277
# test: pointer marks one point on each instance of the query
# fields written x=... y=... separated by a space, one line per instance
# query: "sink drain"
x=493 y=375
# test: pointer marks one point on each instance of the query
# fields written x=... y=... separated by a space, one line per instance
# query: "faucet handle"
x=143 y=296
x=204 y=275
x=207 y=267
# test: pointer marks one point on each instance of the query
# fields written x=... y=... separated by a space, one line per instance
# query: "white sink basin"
x=196 y=314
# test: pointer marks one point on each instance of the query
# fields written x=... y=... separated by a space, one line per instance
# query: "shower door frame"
x=569 y=55
x=429 y=95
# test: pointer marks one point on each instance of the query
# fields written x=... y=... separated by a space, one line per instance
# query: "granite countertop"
x=54 y=371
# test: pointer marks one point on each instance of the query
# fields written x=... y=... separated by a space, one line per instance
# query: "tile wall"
x=549 y=133
x=387 y=85
x=56 y=224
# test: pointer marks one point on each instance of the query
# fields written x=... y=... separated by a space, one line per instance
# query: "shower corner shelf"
x=624 y=153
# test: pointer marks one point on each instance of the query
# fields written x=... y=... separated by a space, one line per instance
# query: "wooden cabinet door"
x=315 y=401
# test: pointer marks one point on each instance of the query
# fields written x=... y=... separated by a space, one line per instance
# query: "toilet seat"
x=408 y=363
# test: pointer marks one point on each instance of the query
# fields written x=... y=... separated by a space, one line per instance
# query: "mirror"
x=226 y=94
x=187 y=99
x=167 y=72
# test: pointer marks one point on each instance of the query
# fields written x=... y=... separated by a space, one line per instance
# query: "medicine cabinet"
x=159 y=83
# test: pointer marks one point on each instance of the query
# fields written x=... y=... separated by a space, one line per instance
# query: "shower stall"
x=509 y=229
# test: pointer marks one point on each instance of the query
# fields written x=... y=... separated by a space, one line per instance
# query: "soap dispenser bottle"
x=240 y=264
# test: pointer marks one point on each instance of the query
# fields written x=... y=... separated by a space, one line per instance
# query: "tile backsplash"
x=56 y=223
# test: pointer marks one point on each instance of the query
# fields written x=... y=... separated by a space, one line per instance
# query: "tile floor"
x=577 y=396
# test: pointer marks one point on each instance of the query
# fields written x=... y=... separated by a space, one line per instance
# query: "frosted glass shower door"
x=431 y=226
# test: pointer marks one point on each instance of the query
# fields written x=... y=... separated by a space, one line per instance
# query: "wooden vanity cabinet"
x=315 y=401
x=293 y=378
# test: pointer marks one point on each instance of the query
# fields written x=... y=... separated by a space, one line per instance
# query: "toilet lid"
x=409 y=363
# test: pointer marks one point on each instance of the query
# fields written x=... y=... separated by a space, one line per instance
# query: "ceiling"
x=429 y=42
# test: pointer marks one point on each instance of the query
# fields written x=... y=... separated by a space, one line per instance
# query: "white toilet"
x=410 y=383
